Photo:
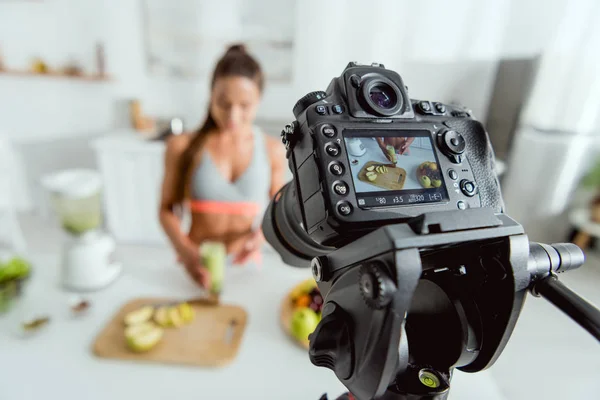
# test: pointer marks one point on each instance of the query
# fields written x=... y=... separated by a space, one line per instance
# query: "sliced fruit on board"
x=162 y=318
x=175 y=317
x=143 y=337
x=187 y=312
x=139 y=316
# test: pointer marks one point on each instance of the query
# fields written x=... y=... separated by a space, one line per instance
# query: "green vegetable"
x=213 y=258
x=15 y=268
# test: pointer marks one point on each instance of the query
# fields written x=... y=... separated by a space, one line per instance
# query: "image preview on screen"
x=414 y=178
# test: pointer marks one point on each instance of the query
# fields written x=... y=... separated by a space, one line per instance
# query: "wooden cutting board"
x=392 y=180
x=212 y=339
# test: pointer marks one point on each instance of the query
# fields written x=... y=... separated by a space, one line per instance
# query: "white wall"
x=445 y=51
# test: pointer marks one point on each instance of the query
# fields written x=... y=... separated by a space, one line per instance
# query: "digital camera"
x=396 y=206
x=363 y=155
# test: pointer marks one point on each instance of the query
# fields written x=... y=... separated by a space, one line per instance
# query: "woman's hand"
x=383 y=148
x=250 y=248
x=189 y=256
x=405 y=145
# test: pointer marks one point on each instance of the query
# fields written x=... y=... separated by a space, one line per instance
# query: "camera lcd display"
x=394 y=168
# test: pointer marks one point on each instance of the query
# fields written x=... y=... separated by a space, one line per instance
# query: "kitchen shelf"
x=55 y=75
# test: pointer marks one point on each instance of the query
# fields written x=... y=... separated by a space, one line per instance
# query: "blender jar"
x=76 y=198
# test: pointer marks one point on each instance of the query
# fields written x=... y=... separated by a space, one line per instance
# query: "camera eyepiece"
x=381 y=95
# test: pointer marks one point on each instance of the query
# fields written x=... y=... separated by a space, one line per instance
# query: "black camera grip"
x=482 y=160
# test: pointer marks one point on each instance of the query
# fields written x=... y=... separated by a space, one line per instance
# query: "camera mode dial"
x=452 y=144
x=307 y=100
x=287 y=134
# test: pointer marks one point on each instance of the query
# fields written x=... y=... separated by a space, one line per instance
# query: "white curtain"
x=558 y=137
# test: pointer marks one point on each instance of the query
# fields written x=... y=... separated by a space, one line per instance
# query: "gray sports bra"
x=209 y=186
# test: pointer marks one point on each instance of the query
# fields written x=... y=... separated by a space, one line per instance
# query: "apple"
x=304 y=322
x=187 y=312
x=436 y=183
x=139 y=316
x=143 y=337
x=433 y=166
x=425 y=181
x=175 y=317
x=162 y=317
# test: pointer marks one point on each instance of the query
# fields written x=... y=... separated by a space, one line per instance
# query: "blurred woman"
x=225 y=173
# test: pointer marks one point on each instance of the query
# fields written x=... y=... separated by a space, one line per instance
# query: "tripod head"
x=405 y=305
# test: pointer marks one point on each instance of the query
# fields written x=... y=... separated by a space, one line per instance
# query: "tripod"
x=407 y=304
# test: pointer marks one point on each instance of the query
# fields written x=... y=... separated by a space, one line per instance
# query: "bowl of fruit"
x=301 y=311
x=14 y=273
x=429 y=175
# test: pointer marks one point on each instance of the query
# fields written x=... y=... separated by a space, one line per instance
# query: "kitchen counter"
x=57 y=362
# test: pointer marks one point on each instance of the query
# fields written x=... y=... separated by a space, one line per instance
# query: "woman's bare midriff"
x=228 y=229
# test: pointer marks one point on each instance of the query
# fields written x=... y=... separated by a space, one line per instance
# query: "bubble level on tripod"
x=429 y=379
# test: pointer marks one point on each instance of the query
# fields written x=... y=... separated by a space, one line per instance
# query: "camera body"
x=345 y=183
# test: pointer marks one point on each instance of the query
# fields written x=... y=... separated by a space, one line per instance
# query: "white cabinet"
x=132 y=171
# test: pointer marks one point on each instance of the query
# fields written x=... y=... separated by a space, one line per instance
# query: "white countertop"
x=409 y=162
x=57 y=362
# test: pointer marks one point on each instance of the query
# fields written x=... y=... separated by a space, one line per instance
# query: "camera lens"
x=383 y=96
x=282 y=227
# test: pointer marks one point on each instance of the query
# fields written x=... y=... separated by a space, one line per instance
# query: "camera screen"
x=394 y=168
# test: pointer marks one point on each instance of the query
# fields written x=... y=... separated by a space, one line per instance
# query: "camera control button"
x=336 y=168
x=337 y=109
x=439 y=107
x=452 y=145
x=461 y=205
x=425 y=106
x=332 y=149
x=452 y=174
x=340 y=188
x=328 y=131
x=355 y=80
x=468 y=188
x=321 y=110
x=344 y=208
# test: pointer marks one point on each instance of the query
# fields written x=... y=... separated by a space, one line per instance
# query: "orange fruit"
x=303 y=301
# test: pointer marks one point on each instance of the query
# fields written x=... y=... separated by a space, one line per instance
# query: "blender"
x=87 y=258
